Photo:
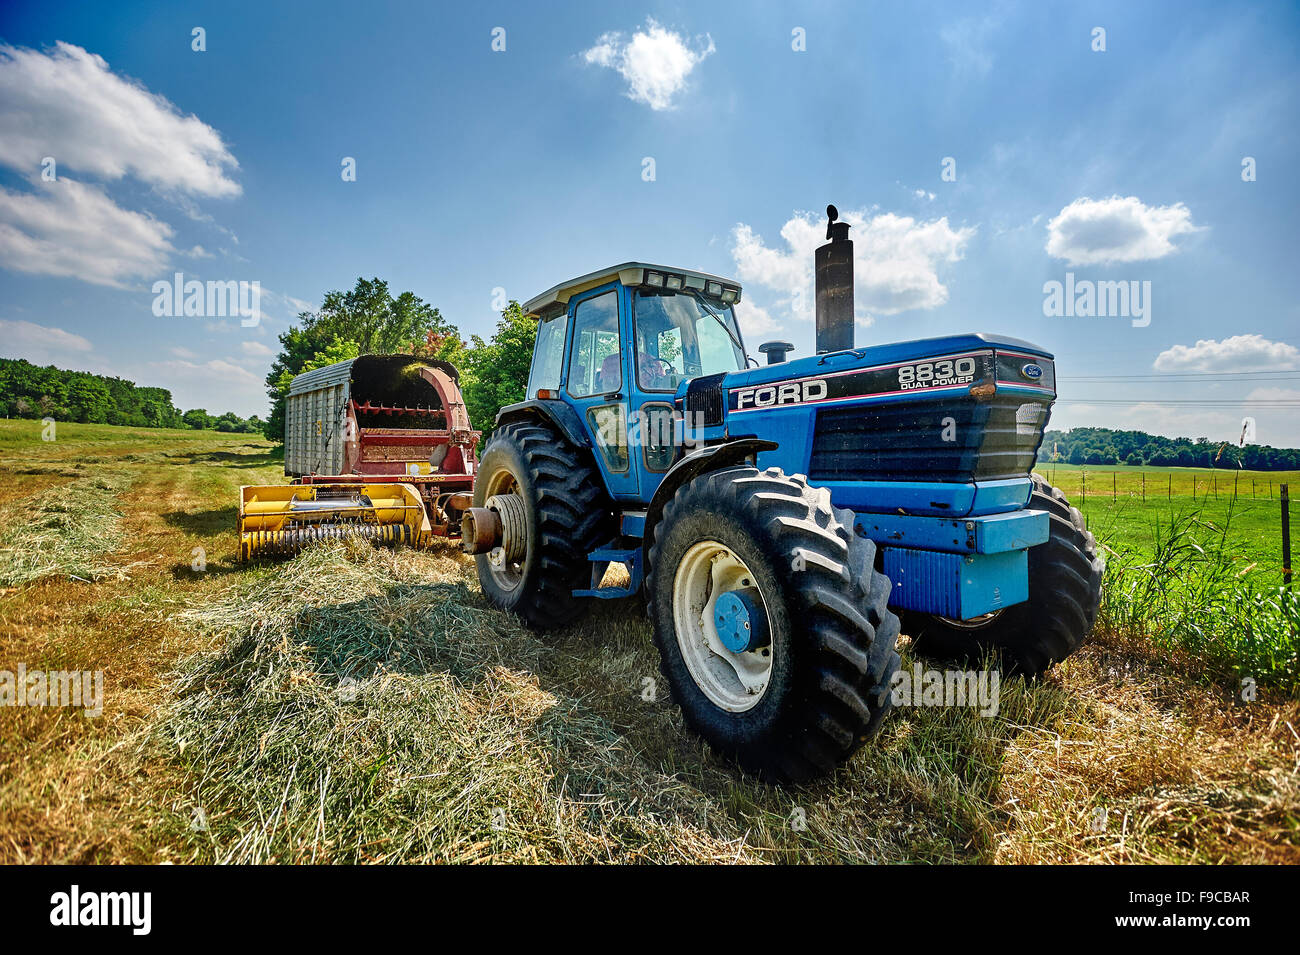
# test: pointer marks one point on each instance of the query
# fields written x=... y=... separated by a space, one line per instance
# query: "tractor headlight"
x=714 y=289
x=675 y=282
x=728 y=295
x=655 y=279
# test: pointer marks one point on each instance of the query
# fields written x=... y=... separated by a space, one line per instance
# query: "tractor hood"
x=945 y=425
x=895 y=353
x=899 y=369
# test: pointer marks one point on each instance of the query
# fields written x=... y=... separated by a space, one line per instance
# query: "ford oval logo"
x=1032 y=371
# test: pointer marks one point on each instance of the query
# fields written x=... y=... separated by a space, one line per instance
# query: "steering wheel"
x=654 y=372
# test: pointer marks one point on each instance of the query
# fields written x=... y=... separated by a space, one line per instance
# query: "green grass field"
x=367 y=705
x=1124 y=506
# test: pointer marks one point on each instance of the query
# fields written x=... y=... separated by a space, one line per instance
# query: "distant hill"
x=43 y=391
x=1104 y=446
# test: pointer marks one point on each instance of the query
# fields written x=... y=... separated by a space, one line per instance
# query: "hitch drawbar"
x=500 y=525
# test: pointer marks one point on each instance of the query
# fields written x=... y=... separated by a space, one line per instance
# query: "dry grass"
x=366 y=705
x=67 y=529
x=391 y=716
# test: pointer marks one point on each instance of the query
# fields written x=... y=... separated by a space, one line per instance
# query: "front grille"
x=904 y=441
x=705 y=401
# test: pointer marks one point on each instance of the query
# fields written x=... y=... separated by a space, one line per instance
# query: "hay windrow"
x=67 y=529
x=353 y=711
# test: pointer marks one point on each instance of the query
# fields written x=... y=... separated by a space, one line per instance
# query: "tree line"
x=1137 y=448
x=44 y=391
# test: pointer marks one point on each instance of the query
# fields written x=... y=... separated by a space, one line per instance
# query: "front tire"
x=563 y=508
x=815 y=687
x=1065 y=576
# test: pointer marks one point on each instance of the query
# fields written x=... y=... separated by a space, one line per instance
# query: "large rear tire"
x=814 y=684
x=1065 y=577
x=562 y=506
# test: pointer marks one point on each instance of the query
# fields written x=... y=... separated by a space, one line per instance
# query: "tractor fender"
x=702 y=461
x=551 y=411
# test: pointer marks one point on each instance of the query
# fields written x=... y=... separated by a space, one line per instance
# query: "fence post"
x=1084 y=475
x=1286 y=537
x=1113 y=484
x=1235 y=478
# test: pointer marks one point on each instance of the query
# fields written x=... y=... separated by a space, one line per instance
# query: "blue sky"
x=480 y=170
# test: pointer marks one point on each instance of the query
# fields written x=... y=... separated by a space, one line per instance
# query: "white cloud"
x=255 y=349
x=41 y=344
x=896 y=261
x=1273 y=394
x=1106 y=231
x=67 y=104
x=755 y=322
x=71 y=229
x=656 y=62
x=1238 y=353
x=193 y=385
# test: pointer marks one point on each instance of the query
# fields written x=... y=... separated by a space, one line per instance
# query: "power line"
x=1206 y=402
x=1271 y=373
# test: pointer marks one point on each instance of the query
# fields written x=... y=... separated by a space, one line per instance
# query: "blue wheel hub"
x=741 y=621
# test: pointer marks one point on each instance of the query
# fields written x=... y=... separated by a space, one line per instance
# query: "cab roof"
x=628 y=273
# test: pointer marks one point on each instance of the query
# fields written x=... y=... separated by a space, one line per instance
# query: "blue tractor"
x=778 y=519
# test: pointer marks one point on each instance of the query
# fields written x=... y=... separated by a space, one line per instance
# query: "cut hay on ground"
x=365 y=705
x=68 y=529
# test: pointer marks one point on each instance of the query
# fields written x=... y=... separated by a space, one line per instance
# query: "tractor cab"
x=617 y=345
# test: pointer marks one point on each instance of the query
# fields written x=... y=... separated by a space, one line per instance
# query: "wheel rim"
x=974 y=623
x=507 y=574
x=732 y=681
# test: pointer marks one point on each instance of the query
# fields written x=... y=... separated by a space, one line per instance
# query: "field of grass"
x=367 y=705
x=1194 y=563
x=1124 y=505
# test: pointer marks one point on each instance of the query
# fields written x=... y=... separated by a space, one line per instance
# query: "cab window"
x=595 y=362
x=548 y=354
x=680 y=336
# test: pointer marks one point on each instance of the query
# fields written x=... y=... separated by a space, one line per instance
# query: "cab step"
x=601 y=558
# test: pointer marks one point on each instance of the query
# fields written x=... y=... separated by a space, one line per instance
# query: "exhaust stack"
x=834 y=276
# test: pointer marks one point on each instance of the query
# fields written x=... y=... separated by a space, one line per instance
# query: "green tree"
x=496 y=371
x=228 y=422
x=89 y=399
x=377 y=322
x=30 y=391
x=367 y=320
x=198 y=419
